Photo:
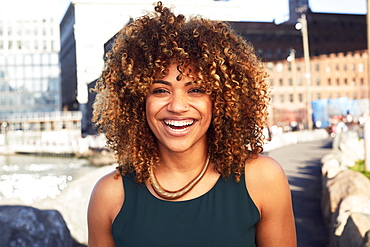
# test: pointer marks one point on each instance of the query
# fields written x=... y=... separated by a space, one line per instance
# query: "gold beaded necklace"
x=172 y=195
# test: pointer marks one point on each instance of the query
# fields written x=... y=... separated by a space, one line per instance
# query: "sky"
x=269 y=10
x=261 y=10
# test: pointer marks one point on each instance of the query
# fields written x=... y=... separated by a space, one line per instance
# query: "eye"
x=159 y=91
x=197 y=90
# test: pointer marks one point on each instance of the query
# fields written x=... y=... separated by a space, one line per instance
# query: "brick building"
x=333 y=76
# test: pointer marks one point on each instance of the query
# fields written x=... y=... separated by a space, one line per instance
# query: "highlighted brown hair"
x=220 y=59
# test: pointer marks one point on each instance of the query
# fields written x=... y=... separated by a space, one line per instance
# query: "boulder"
x=331 y=165
x=349 y=205
x=355 y=232
x=366 y=241
x=23 y=226
x=345 y=183
x=74 y=200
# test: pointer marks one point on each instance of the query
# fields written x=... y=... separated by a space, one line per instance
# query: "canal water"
x=27 y=179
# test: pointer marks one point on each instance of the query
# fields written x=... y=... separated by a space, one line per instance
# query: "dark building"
x=91 y=128
x=67 y=56
x=327 y=33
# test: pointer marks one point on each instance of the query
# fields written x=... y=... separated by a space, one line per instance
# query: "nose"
x=178 y=103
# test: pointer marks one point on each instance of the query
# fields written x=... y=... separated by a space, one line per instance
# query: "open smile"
x=179 y=125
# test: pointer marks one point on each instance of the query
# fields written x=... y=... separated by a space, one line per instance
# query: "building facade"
x=333 y=76
x=29 y=66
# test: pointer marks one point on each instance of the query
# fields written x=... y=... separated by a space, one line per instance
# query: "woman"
x=183 y=105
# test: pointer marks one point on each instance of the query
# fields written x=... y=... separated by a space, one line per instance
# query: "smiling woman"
x=183 y=104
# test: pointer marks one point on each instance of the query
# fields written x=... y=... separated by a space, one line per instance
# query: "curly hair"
x=221 y=60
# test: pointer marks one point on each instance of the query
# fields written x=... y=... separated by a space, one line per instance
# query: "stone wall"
x=346 y=193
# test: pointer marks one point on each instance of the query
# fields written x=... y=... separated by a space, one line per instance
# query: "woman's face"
x=179 y=113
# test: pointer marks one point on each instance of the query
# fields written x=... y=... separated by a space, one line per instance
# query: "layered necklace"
x=172 y=195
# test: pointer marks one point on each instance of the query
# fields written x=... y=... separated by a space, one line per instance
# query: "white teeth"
x=181 y=123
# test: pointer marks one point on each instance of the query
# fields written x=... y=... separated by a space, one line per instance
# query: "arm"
x=105 y=203
x=269 y=189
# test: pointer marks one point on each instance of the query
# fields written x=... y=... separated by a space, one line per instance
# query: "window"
x=281 y=98
x=300 y=97
x=27 y=45
x=280 y=82
x=299 y=81
x=2 y=86
x=291 y=99
x=329 y=81
x=361 y=68
x=328 y=68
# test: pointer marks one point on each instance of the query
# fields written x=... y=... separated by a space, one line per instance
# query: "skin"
x=183 y=152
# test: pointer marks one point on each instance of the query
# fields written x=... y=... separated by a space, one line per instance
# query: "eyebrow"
x=170 y=84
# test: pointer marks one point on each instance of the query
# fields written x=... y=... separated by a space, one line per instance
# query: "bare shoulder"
x=105 y=203
x=269 y=189
x=264 y=177
x=266 y=167
x=108 y=191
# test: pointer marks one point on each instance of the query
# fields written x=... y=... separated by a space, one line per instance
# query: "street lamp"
x=302 y=25
x=367 y=121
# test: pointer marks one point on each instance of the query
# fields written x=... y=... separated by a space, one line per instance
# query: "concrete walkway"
x=302 y=166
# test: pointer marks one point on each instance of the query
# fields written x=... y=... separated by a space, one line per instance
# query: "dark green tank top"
x=224 y=216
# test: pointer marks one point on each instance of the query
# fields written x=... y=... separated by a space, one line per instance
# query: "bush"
x=360 y=167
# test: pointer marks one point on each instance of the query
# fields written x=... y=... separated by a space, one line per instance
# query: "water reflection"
x=27 y=179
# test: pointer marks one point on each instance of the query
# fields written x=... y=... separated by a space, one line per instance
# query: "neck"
x=182 y=162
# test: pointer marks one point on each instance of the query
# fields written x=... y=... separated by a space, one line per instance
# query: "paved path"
x=302 y=166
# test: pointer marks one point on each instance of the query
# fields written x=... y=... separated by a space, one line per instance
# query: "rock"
x=73 y=202
x=354 y=232
x=366 y=241
x=343 y=184
x=352 y=147
x=350 y=204
x=331 y=166
x=23 y=226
